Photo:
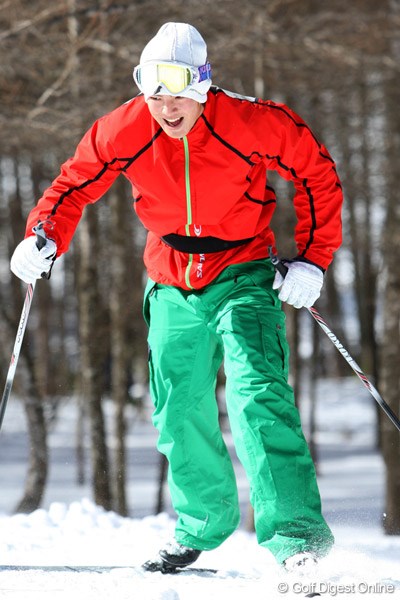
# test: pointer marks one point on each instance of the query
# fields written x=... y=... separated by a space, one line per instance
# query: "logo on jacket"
x=197 y=230
x=199 y=270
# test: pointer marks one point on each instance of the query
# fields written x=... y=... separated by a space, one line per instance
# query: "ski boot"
x=172 y=557
x=303 y=563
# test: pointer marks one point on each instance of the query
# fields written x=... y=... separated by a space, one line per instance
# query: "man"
x=197 y=158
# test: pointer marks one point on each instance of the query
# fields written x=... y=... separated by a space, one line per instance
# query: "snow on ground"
x=74 y=549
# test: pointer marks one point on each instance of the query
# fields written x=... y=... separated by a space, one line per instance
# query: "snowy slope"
x=89 y=541
x=83 y=536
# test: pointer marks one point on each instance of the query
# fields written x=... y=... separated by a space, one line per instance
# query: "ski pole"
x=40 y=243
x=279 y=266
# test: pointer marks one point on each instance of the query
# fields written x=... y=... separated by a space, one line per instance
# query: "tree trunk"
x=36 y=478
x=391 y=385
x=120 y=307
x=391 y=314
x=91 y=319
x=161 y=479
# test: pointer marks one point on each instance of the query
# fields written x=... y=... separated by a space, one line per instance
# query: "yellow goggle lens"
x=174 y=77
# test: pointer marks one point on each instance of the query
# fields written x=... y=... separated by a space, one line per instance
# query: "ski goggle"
x=176 y=77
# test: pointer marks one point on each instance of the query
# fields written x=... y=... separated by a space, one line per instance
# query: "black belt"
x=201 y=245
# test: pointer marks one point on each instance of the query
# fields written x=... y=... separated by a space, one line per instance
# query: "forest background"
x=66 y=63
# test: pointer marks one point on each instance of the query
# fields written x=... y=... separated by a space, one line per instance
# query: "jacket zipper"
x=188 y=209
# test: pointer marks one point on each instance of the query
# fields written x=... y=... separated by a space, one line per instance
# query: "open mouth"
x=174 y=122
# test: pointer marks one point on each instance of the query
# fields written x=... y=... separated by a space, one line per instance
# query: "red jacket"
x=211 y=183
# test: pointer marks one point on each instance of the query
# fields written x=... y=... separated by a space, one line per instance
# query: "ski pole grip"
x=41 y=241
x=40 y=236
x=277 y=263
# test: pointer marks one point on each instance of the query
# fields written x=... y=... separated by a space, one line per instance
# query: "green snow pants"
x=237 y=319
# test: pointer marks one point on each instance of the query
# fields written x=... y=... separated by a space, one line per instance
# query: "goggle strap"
x=205 y=72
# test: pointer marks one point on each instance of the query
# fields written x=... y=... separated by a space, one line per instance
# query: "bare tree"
x=64 y=65
x=391 y=313
x=32 y=389
x=91 y=334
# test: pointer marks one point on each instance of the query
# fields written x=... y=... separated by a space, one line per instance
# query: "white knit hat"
x=178 y=43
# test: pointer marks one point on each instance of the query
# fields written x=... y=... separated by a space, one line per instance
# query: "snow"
x=74 y=549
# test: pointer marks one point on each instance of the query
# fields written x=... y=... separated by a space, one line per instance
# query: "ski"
x=66 y=568
x=310 y=591
x=103 y=569
x=178 y=572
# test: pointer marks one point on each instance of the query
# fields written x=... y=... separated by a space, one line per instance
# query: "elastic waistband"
x=201 y=245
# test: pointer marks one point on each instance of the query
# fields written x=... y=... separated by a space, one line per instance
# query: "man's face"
x=175 y=114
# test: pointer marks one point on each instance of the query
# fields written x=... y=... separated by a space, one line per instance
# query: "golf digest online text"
x=335 y=589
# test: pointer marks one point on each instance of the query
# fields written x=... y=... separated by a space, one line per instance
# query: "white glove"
x=28 y=262
x=302 y=284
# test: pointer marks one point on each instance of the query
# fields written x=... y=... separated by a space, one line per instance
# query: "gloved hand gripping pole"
x=281 y=267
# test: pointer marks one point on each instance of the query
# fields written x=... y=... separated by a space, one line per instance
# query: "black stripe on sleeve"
x=105 y=168
x=313 y=216
x=76 y=188
x=310 y=200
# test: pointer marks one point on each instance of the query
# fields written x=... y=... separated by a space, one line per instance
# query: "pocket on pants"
x=148 y=292
x=151 y=376
x=276 y=347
